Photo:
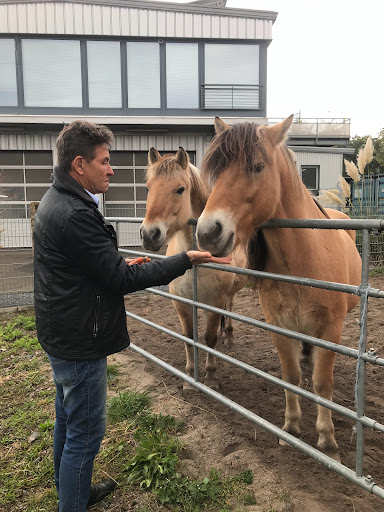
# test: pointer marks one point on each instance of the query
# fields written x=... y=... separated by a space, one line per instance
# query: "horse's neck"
x=286 y=247
x=295 y=202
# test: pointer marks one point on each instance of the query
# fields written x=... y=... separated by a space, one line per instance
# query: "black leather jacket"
x=80 y=279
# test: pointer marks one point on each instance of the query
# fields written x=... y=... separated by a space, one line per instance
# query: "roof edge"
x=190 y=8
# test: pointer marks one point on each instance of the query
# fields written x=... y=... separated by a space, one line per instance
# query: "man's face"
x=97 y=172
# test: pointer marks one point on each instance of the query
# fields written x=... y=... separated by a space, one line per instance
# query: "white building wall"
x=331 y=166
x=98 y=20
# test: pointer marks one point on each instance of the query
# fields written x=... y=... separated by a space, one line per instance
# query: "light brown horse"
x=254 y=180
x=176 y=193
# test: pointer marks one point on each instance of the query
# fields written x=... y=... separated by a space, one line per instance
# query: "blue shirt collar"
x=95 y=198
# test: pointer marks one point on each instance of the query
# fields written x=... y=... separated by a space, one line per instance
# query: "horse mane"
x=241 y=145
x=257 y=253
x=167 y=167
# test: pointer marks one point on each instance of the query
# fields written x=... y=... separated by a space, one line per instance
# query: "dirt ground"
x=285 y=480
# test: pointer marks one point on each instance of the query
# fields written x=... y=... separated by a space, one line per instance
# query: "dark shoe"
x=100 y=491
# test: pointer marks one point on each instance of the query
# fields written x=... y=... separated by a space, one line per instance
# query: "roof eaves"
x=213 y=8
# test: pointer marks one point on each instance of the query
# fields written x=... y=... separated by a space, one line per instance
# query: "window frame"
x=124 y=110
x=317 y=171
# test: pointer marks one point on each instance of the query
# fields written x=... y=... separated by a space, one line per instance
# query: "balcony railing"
x=231 y=97
x=318 y=127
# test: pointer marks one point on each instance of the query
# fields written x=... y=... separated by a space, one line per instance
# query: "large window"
x=24 y=177
x=231 y=76
x=104 y=74
x=8 y=87
x=182 y=75
x=310 y=177
x=143 y=68
x=127 y=193
x=128 y=77
x=52 y=73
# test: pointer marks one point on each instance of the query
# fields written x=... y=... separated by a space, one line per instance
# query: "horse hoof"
x=214 y=384
x=188 y=387
x=334 y=453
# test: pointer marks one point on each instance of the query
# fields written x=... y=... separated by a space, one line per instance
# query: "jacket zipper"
x=95 y=326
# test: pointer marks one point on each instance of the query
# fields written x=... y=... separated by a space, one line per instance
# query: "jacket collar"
x=63 y=181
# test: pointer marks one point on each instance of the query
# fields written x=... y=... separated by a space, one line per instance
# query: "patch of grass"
x=127 y=406
x=112 y=372
x=139 y=446
x=377 y=272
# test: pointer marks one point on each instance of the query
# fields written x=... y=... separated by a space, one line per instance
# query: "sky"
x=326 y=60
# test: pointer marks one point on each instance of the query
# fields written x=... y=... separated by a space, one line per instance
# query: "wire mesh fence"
x=16 y=258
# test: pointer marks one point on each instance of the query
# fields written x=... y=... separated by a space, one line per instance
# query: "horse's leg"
x=289 y=351
x=213 y=322
x=186 y=319
x=323 y=365
x=228 y=329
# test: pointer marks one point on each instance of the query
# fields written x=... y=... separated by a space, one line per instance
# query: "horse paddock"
x=285 y=480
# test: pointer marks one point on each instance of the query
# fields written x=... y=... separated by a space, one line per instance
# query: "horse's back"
x=336 y=214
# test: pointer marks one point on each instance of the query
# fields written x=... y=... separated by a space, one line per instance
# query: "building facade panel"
x=83 y=19
x=330 y=166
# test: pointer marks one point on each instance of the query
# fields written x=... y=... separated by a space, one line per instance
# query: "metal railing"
x=231 y=97
x=362 y=356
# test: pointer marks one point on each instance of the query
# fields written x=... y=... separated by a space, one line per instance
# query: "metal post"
x=195 y=326
x=360 y=370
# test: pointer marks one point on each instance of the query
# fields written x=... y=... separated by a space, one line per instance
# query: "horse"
x=255 y=179
x=177 y=193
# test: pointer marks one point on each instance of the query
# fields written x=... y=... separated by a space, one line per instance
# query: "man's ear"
x=77 y=165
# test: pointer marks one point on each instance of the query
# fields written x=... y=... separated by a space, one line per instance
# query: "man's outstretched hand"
x=198 y=257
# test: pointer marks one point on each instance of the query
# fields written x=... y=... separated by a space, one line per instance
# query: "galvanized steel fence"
x=362 y=355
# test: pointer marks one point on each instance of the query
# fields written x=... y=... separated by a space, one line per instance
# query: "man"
x=80 y=282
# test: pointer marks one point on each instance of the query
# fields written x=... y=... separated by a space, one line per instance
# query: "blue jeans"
x=81 y=393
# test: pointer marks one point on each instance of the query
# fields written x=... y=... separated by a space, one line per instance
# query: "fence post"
x=33 y=206
x=195 y=325
x=360 y=369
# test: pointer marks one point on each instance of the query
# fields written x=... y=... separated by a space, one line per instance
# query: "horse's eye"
x=180 y=190
x=259 y=167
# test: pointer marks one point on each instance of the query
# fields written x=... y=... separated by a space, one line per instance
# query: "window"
x=52 y=73
x=24 y=177
x=310 y=177
x=231 y=76
x=8 y=87
x=143 y=67
x=127 y=193
x=104 y=74
x=182 y=75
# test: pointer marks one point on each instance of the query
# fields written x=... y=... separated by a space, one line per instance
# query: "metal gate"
x=362 y=355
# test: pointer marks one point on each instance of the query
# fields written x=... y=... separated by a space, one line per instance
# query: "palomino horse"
x=255 y=179
x=176 y=193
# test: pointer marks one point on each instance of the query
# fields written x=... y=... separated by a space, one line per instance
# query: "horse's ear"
x=220 y=126
x=153 y=156
x=182 y=158
x=278 y=133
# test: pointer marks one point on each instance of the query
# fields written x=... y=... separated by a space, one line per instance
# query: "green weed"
x=139 y=445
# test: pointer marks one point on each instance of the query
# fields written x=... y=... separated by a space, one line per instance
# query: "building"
x=156 y=73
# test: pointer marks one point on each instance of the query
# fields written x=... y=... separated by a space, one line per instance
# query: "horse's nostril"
x=218 y=230
x=156 y=234
x=141 y=233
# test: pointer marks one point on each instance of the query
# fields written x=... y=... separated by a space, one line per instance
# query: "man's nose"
x=110 y=171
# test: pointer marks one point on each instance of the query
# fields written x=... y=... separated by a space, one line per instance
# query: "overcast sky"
x=326 y=60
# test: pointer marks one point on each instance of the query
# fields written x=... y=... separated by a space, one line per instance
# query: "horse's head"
x=242 y=167
x=169 y=202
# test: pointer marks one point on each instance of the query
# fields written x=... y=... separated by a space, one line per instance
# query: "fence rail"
x=362 y=356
